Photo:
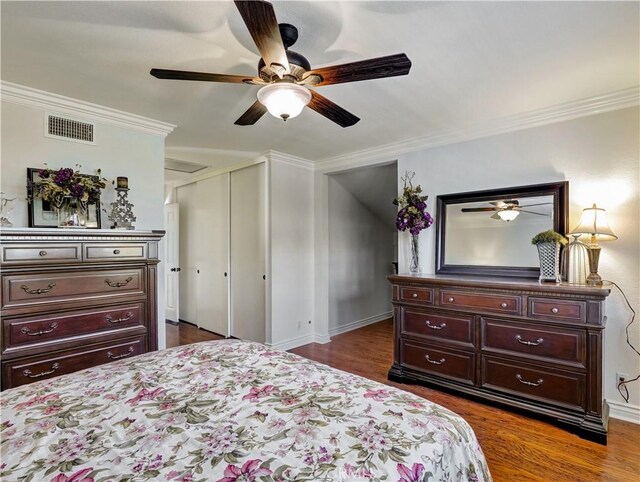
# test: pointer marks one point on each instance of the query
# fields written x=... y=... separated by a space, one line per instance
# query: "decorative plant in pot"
x=549 y=244
x=69 y=192
x=412 y=216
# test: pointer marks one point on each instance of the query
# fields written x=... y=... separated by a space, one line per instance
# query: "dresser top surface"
x=505 y=283
x=61 y=234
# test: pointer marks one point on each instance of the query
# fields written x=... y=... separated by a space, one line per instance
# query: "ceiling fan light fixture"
x=508 y=214
x=283 y=99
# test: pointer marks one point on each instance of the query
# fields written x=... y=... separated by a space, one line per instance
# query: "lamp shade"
x=284 y=100
x=594 y=222
x=508 y=214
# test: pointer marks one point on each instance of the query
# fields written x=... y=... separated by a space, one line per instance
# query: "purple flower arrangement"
x=67 y=185
x=413 y=213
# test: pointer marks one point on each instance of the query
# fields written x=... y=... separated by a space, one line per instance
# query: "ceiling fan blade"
x=495 y=216
x=377 y=68
x=262 y=24
x=478 y=210
x=331 y=111
x=532 y=212
x=539 y=204
x=202 y=76
x=252 y=115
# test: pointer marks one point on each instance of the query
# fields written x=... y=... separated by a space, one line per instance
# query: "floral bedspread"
x=229 y=411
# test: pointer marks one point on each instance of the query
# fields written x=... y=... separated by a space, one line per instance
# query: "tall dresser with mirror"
x=73 y=299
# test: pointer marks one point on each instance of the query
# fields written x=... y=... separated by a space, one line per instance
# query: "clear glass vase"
x=414 y=265
x=72 y=214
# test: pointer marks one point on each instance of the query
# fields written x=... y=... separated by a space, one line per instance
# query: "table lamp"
x=594 y=223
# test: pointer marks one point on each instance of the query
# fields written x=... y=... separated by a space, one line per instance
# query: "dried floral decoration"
x=65 y=185
x=413 y=213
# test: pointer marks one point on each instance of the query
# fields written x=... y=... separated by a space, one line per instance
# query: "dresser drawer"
x=555 y=344
x=25 y=333
x=561 y=310
x=441 y=326
x=57 y=286
x=497 y=303
x=41 y=253
x=421 y=295
x=21 y=372
x=457 y=365
x=542 y=384
x=114 y=251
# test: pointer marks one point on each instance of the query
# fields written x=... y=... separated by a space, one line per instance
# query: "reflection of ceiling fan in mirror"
x=506 y=210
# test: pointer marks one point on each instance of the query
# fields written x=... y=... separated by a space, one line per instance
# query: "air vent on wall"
x=68 y=129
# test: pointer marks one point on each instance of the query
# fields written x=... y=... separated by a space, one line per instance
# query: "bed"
x=229 y=411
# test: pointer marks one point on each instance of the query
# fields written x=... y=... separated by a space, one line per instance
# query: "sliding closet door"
x=248 y=211
x=213 y=254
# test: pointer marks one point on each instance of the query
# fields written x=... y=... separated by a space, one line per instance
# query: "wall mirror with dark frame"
x=488 y=233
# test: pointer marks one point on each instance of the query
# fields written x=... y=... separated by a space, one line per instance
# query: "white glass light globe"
x=508 y=214
x=284 y=100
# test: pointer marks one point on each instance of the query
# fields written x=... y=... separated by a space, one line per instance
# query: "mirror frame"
x=559 y=191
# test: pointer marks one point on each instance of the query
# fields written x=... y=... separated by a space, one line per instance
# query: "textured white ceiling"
x=472 y=62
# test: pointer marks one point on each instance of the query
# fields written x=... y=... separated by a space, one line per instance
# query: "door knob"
x=178 y=269
x=173 y=269
x=225 y=275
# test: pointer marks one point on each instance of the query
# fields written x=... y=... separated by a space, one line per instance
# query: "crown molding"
x=620 y=99
x=289 y=159
x=20 y=94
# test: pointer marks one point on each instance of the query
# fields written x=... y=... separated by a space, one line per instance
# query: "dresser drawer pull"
x=126 y=317
x=503 y=305
x=116 y=251
x=529 y=343
x=415 y=295
x=434 y=327
x=434 y=362
x=554 y=310
x=54 y=367
x=129 y=352
x=42 y=253
x=119 y=284
x=28 y=332
x=451 y=299
x=531 y=384
x=39 y=291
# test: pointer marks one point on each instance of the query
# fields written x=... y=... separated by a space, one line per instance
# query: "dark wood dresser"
x=73 y=299
x=535 y=347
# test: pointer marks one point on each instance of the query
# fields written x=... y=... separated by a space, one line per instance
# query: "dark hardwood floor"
x=518 y=448
x=185 y=333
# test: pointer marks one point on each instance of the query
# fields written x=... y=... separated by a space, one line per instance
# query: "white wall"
x=291 y=246
x=598 y=155
x=119 y=151
x=360 y=255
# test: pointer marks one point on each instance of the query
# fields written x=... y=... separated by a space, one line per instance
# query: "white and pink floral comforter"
x=229 y=411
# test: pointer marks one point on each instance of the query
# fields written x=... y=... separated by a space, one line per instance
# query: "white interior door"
x=213 y=254
x=172 y=260
x=189 y=229
x=248 y=268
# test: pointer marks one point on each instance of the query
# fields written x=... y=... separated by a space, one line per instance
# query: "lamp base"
x=594 y=278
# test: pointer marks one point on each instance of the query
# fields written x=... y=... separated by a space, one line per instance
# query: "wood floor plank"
x=518 y=448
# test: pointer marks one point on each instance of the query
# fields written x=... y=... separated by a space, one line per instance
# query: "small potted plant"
x=548 y=244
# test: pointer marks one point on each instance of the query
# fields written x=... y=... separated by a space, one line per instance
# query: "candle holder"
x=121 y=214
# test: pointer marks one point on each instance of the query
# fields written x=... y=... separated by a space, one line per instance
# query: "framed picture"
x=43 y=215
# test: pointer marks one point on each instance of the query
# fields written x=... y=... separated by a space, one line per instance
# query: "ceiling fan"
x=506 y=210
x=287 y=75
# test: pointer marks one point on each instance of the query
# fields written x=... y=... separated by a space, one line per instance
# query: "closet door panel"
x=248 y=267
x=213 y=254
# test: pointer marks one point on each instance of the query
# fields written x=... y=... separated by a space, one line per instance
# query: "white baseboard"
x=301 y=340
x=354 y=325
x=624 y=411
